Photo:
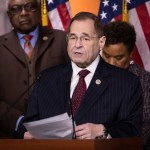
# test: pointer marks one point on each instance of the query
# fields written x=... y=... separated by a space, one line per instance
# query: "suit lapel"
x=12 y=44
x=45 y=39
x=98 y=85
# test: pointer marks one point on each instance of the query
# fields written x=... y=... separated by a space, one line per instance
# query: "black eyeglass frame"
x=17 y=9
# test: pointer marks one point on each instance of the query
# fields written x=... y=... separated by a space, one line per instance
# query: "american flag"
x=59 y=13
x=139 y=16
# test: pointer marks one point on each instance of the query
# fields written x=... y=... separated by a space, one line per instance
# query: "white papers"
x=51 y=128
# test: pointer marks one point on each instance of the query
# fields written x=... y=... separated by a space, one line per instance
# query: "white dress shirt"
x=88 y=78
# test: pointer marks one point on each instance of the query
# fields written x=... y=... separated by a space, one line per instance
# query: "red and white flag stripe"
x=140 y=18
x=60 y=17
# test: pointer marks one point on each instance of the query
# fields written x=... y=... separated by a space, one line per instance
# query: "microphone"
x=21 y=95
x=70 y=107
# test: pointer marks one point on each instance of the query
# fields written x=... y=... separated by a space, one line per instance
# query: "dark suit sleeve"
x=31 y=114
x=10 y=111
x=129 y=121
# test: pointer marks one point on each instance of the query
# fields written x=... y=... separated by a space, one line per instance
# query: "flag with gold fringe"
x=56 y=13
x=137 y=12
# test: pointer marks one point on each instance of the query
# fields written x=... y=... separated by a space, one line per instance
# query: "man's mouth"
x=79 y=54
x=24 y=21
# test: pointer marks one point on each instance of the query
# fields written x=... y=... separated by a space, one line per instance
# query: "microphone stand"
x=73 y=123
x=70 y=107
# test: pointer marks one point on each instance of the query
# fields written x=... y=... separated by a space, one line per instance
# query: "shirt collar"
x=92 y=67
x=34 y=33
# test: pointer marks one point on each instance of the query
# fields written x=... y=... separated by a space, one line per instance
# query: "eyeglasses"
x=85 y=39
x=17 y=9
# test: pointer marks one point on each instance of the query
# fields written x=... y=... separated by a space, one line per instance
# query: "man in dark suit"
x=118 y=51
x=17 y=70
x=112 y=104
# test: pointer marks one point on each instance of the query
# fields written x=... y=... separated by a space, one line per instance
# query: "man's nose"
x=23 y=11
x=78 y=43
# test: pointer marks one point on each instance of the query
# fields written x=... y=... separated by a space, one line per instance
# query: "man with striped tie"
x=103 y=100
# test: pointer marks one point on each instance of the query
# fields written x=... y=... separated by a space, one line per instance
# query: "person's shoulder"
x=59 y=33
x=55 y=70
x=120 y=75
x=53 y=31
x=117 y=71
x=139 y=71
x=7 y=37
x=6 y=34
x=124 y=76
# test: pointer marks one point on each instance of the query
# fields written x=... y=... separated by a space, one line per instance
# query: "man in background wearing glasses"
x=24 y=52
x=103 y=100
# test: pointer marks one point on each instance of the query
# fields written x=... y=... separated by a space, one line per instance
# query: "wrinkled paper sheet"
x=51 y=128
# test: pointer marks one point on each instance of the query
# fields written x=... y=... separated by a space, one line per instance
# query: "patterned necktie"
x=27 y=45
x=79 y=91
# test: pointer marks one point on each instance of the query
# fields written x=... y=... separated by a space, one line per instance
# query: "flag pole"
x=44 y=13
x=124 y=11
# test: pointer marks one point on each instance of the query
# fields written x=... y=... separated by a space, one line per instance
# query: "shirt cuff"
x=18 y=121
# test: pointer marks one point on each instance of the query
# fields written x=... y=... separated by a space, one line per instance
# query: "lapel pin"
x=98 y=81
x=45 y=38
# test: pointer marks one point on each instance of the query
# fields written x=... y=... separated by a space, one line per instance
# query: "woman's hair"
x=120 y=32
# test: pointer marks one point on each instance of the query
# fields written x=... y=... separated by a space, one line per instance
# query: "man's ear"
x=102 y=42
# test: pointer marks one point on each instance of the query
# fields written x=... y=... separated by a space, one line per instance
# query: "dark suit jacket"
x=50 y=50
x=116 y=102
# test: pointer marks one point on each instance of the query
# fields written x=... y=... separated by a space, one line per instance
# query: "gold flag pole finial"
x=124 y=11
x=44 y=13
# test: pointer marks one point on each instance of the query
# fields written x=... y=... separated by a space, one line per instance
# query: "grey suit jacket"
x=116 y=102
x=50 y=50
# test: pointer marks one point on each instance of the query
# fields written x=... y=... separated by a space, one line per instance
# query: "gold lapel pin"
x=45 y=38
x=98 y=81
